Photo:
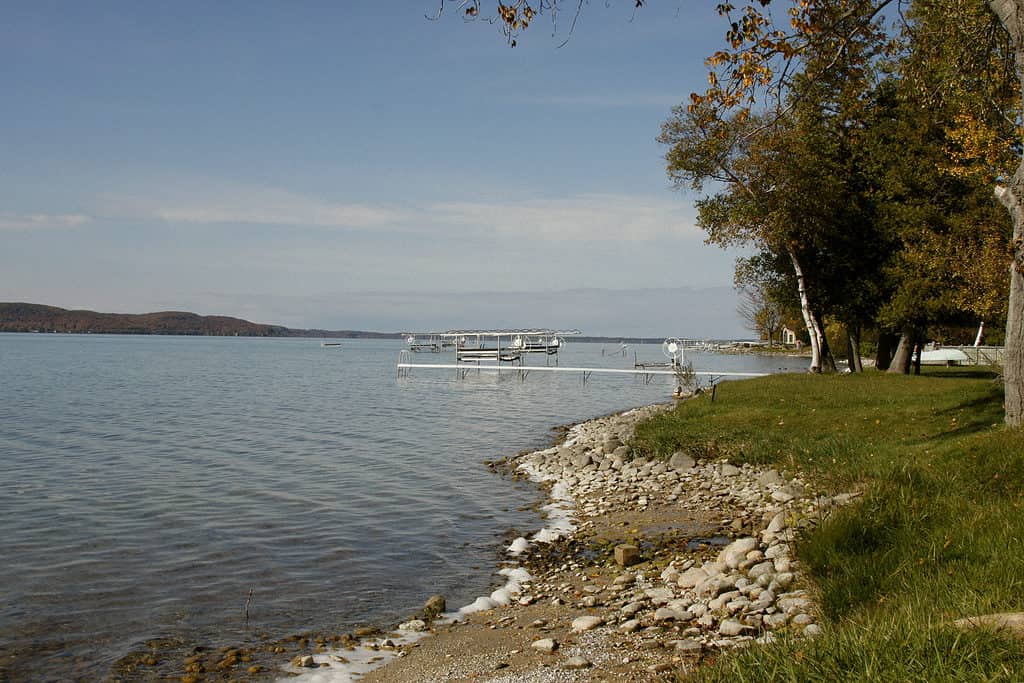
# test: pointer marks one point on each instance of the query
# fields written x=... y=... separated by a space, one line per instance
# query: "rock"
x=812 y=630
x=778 y=523
x=1010 y=622
x=434 y=606
x=737 y=604
x=581 y=460
x=720 y=602
x=691 y=577
x=632 y=608
x=586 y=623
x=545 y=645
x=782 y=496
x=672 y=614
x=728 y=470
x=631 y=626
x=627 y=554
x=766 y=567
x=660 y=595
x=687 y=646
x=576 y=663
x=732 y=627
x=773 y=621
x=414 y=625
x=783 y=579
x=793 y=605
x=770 y=477
x=681 y=461
x=624 y=580
x=713 y=586
x=736 y=552
x=304 y=662
x=802 y=620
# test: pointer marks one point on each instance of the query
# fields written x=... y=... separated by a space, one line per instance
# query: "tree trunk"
x=820 y=356
x=886 y=343
x=1011 y=16
x=853 y=348
x=828 y=361
x=904 y=355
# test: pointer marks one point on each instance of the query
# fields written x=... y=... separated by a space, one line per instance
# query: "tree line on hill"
x=26 y=317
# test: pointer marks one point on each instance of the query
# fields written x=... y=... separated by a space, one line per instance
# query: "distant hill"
x=24 y=317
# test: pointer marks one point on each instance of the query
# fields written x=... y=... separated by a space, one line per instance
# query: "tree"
x=756 y=68
x=760 y=314
x=792 y=184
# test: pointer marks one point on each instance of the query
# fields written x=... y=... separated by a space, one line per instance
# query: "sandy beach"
x=646 y=569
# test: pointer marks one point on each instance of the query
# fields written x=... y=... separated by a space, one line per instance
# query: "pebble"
x=545 y=645
x=414 y=625
x=586 y=623
x=576 y=662
x=630 y=626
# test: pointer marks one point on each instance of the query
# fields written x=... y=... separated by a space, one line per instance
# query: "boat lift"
x=508 y=346
x=473 y=346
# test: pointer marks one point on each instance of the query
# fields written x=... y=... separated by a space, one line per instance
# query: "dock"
x=504 y=351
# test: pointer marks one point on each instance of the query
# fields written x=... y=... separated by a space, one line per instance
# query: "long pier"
x=464 y=368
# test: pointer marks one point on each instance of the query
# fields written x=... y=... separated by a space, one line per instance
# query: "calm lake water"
x=150 y=483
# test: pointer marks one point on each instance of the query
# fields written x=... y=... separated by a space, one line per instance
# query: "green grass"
x=937 y=534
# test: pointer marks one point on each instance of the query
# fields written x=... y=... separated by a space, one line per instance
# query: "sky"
x=356 y=165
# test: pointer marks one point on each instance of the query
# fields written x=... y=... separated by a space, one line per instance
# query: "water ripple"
x=151 y=482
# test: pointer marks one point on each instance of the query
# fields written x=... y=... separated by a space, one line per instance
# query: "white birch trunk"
x=1011 y=16
x=810 y=320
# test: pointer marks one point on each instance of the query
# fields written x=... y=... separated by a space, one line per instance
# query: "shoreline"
x=644 y=569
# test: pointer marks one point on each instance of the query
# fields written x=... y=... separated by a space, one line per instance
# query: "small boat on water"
x=330 y=343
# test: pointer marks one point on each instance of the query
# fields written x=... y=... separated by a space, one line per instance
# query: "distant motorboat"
x=330 y=343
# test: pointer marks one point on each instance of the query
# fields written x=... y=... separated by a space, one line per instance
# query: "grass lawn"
x=936 y=536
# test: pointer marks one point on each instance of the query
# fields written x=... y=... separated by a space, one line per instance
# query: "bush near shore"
x=937 y=536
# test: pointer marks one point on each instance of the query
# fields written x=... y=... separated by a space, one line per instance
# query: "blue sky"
x=355 y=165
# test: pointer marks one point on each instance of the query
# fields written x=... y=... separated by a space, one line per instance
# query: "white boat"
x=944 y=357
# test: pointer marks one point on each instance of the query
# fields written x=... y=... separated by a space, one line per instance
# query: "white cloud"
x=260 y=206
x=42 y=221
x=583 y=218
x=588 y=217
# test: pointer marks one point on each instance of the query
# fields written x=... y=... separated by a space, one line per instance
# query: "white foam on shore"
x=357 y=661
x=365 y=658
x=559 y=512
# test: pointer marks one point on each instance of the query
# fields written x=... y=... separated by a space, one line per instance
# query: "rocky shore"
x=647 y=568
